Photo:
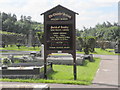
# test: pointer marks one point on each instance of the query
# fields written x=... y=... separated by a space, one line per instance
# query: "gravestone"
x=59 y=34
x=117 y=47
x=30 y=39
x=42 y=51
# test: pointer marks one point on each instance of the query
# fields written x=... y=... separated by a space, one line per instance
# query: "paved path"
x=106 y=76
x=58 y=85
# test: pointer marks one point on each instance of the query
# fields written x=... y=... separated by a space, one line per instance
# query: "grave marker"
x=30 y=38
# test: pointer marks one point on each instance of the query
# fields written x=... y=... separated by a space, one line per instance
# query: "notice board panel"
x=59 y=37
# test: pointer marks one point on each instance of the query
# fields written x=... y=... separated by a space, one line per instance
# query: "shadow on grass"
x=85 y=62
x=50 y=75
x=94 y=52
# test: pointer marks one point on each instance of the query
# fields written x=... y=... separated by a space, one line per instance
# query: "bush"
x=87 y=43
x=6 y=61
x=18 y=45
x=3 y=45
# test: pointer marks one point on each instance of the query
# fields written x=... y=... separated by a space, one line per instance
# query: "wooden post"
x=45 y=66
x=74 y=66
x=75 y=70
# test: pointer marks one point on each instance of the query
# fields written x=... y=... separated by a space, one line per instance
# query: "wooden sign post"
x=59 y=34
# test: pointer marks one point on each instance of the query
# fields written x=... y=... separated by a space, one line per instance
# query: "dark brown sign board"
x=59 y=34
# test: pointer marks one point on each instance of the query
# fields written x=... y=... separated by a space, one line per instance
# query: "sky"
x=91 y=12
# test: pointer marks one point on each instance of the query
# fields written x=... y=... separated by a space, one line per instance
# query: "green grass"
x=46 y=81
x=22 y=48
x=63 y=74
x=102 y=52
x=109 y=49
x=84 y=73
x=9 y=33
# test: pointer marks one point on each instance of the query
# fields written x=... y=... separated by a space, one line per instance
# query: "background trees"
x=105 y=32
x=11 y=24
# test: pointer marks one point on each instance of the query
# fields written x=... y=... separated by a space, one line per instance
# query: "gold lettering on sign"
x=59 y=16
x=60 y=37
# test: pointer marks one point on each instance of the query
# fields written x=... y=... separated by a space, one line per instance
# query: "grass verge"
x=63 y=74
x=22 y=48
x=102 y=52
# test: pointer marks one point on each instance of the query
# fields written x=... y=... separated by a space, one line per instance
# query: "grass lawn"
x=22 y=48
x=64 y=74
x=102 y=52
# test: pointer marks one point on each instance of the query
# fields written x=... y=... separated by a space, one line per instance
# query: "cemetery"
x=55 y=54
x=22 y=67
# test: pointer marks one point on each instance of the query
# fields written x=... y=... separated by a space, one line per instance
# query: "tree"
x=14 y=18
x=18 y=45
x=21 y=18
x=109 y=24
x=88 y=44
x=40 y=36
x=80 y=43
x=29 y=19
x=86 y=47
x=8 y=25
x=92 y=43
x=4 y=16
x=3 y=45
x=34 y=46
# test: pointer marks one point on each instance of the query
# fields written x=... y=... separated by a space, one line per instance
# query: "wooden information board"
x=59 y=33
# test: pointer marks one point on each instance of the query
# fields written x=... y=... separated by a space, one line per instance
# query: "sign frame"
x=65 y=21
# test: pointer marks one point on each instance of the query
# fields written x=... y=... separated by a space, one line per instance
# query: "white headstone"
x=42 y=51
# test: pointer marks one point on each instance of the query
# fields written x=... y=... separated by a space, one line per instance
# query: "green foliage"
x=34 y=46
x=92 y=43
x=6 y=61
x=79 y=42
x=11 y=24
x=87 y=43
x=22 y=48
x=40 y=36
x=46 y=81
x=105 y=31
x=102 y=52
x=18 y=45
x=9 y=33
x=3 y=45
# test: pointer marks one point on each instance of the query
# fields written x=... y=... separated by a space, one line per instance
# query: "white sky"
x=90 y=12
